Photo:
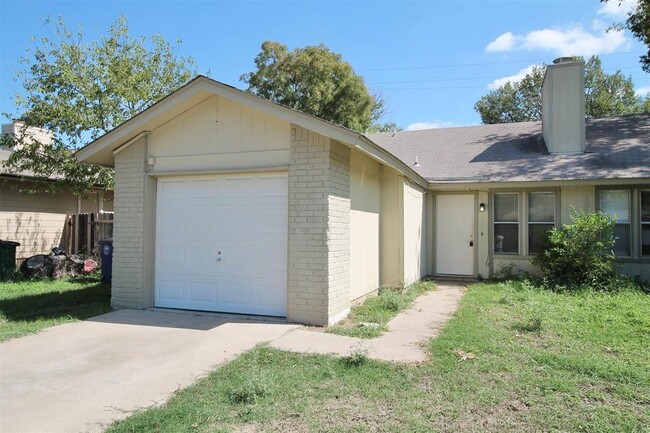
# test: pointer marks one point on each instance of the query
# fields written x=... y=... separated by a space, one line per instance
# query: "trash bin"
x=106 y=254
x=7 y=258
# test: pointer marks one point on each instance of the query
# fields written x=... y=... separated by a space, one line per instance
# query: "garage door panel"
x=171 y=191
x=203 y=222
x=203 y=292
x=202 y=258
x=171 y=290
x=171 y=222
x=172 y=255
x=244 y=217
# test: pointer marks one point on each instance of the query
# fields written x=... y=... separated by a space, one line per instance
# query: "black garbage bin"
x=106 y=254
x=7 y=258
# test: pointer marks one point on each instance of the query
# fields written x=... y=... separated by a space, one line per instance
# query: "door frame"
x=434 y=220
x=152 y=216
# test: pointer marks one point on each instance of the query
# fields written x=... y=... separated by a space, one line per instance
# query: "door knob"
x=471 y=243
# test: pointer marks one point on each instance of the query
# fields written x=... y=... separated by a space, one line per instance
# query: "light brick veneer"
x=319 y=228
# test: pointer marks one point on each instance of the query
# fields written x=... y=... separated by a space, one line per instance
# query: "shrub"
x=580 y=254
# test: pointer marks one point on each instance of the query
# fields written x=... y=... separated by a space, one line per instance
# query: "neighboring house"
x=37 y=221
x=227 y=202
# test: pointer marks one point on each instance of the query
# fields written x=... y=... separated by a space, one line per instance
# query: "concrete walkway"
x=82 y=376
x=403 y=341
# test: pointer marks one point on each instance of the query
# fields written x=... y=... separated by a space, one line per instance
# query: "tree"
x=383 y=127
x=81 y=90
x=605 y=95
x=638 y=22
x=514 y=102
x=316 y=81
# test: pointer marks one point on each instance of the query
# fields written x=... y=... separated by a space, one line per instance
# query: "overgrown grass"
x=369 y=319
x=29 y=306
x=583 y=364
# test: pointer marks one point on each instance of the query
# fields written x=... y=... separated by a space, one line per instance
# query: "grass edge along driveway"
x=29 y=306
x=514 y=358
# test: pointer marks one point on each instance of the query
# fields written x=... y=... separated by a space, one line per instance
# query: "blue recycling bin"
x=106 y=254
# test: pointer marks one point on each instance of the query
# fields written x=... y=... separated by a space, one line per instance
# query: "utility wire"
x=460 y=65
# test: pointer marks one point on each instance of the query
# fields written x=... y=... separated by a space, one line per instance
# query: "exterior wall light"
x=481 y=207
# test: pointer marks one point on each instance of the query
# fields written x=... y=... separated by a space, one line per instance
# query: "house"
x=227 y=202
x=38 y=221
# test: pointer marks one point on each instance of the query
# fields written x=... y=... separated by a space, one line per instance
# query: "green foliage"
x=514 y=102
x=580 y=254
x=383 y=127
x=80 y=90
x=586 y=370
x=369 y=319
x=638 y=22
x=605 y=95
x=29 y=306
x=316 y=81
x=249 y=390
x=357 y=356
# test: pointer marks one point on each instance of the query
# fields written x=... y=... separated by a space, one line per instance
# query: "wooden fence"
x=85 y=230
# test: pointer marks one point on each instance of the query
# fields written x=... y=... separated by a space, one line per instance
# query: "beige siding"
x=37 y=221
x=219 y=135
x=364 y=225
x=415 y=257
x=579 y=197
x=391 y=220
x=319 y=229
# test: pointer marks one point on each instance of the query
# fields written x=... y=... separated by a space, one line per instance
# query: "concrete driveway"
x=80 y=377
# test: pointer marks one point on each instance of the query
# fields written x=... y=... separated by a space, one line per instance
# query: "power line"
x=460 y=65
x=472 y=78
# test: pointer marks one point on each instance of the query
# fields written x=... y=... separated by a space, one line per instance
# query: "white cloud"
x=617 y=9
x=434 y=124
x=563 y=42
x=511 y=79
x=643 y=91
x=505 y=42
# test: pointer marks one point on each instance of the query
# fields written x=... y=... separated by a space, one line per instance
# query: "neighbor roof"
x=616 y=148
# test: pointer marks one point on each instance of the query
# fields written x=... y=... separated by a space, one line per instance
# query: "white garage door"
x=221 y=243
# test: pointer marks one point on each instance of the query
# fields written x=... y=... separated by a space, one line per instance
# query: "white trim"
x=130 y=142
x=276 y=169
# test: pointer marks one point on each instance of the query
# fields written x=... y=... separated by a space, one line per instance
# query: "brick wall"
x=319 y=228
x=129 y=234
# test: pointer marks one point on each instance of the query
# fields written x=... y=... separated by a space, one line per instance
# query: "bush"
x=580 y=254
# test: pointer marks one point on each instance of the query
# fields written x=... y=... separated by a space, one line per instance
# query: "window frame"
x=523 y=204
x=516 y=223
x=529 y=222
x=635 y=223
x=641 y=222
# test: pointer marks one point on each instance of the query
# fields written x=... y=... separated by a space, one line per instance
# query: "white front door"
x=221 y=243
x=455 y=240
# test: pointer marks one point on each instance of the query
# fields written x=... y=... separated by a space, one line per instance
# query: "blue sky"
x=430 y=60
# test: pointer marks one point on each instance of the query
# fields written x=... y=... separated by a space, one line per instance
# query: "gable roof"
x=100 y=151
x=616 y=148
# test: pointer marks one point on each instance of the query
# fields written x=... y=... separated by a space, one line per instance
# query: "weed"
x=358 y=355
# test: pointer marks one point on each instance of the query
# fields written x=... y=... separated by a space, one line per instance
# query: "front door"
x=455 y=240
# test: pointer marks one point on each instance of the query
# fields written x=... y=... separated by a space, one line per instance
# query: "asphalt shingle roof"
x=616 y=148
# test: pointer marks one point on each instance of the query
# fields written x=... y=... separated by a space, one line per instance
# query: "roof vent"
x=561 y=60
x=417 y=163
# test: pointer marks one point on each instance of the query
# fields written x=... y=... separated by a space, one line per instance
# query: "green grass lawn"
x=377 y=311
x=27 y=307
x=513 y=359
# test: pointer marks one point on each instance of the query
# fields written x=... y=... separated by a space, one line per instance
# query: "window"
x=506 y=223
x=541 y=219
x=616 y=203
x=645 y=223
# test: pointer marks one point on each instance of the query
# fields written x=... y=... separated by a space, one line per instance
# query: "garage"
x=221 y=243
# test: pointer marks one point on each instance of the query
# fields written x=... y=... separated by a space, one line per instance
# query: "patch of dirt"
x=357 y=411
